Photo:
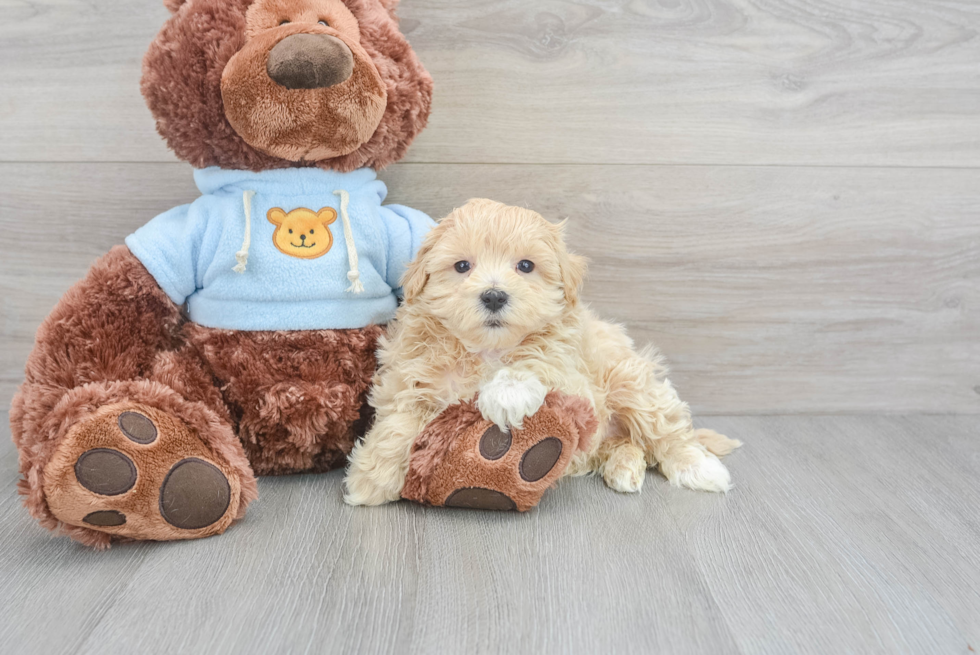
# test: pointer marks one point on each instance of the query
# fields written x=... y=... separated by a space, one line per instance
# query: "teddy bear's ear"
x=173 y=5
x=327 y=215
x=276 y=216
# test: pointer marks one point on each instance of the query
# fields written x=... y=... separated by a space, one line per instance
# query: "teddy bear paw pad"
x=480 y=498
x=462 y=460
x=140 y=472
x=536 y=462
x=194 y=494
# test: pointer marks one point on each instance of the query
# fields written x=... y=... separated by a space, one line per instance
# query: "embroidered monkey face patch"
x=302 y=232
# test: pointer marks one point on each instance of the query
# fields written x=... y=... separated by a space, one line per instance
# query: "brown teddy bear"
x=235 y=336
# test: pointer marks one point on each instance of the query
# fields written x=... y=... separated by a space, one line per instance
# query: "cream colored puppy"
x=492 y=306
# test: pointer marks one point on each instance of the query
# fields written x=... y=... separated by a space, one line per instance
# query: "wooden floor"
x=784 y=195
x=843 y=535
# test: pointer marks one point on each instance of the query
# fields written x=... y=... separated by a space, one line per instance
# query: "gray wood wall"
x=783 y=195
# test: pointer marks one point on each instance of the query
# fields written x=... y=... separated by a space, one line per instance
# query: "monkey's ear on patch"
x=173 y=5
x=327 y=215
x=276 y=216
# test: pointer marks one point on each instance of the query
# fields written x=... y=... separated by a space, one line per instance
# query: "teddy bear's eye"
x=311 y=231
x=284 y=21
x=461 y=267
x=290 y=231
x=324 y=23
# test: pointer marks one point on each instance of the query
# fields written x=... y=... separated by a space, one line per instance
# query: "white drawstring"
x=242 y=255
x=353 y=275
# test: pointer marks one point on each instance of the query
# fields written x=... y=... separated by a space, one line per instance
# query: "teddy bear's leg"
x=463 y=460
x=299 y=397
x=118 y=425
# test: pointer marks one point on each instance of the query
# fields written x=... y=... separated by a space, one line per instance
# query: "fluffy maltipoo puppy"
x=492 y=307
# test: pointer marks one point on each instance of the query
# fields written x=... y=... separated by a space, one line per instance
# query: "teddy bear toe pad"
x=138 y=472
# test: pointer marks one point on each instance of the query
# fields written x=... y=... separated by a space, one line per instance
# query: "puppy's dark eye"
x=284 y=22
x=324 y=23
x=462 y=267
x=525 y=266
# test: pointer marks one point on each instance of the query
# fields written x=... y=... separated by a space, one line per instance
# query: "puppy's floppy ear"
x=573 y=267
x=415 y=277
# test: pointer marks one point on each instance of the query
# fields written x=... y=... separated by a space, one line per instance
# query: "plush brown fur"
x=445 y=456
x=268 y=402
x=296 y=399
x=99 y=346
x=182 y=74
x=179 y=423
x=308 y=124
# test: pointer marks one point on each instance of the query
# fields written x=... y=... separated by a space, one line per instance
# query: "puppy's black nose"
x=494 y=299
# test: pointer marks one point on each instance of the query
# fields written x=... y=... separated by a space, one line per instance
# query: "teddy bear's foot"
x=139 y=472
x=463 y=460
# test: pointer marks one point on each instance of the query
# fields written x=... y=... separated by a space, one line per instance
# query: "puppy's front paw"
x=370 y=480
x=625 y=469
x=510 y=397
x=361 y=490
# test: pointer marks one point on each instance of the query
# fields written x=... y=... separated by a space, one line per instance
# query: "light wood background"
x=783 y=195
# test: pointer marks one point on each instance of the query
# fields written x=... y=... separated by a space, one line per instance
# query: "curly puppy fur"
x=446 y=346
x=182 y=73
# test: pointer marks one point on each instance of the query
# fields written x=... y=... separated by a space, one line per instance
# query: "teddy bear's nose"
x=302 y=237
x=310 y=61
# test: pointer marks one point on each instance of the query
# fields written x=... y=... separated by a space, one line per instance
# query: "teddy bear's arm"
x=172 y=247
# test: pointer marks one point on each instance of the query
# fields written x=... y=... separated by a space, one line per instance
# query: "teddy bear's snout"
x=310 y=61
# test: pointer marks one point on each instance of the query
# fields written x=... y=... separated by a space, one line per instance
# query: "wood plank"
x=55 y=592
x=843 y=534
x=770 y=289
x=629 y=81
x=306 y=572
x=855 y=530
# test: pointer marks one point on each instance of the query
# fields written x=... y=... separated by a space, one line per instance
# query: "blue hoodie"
x=270 y=250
